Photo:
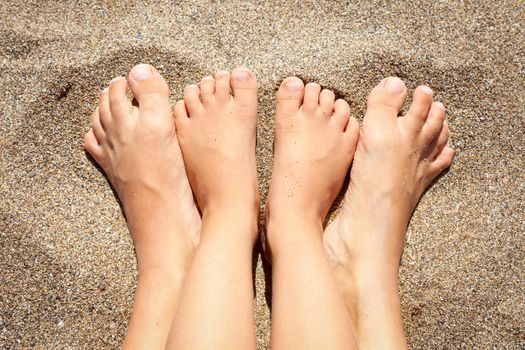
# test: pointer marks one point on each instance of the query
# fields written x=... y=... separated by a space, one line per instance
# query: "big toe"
x=387 y=98
x=289 y=97
x=148 y=86
x=244 y=88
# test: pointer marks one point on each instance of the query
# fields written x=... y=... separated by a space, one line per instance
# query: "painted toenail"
x=426 y=90
x=395 y=85
x=293 y=85
x=241 y=75
x=141 y=72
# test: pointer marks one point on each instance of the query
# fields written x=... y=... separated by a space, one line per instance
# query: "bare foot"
x=216 y=131
x=216 y=125
x=315 y=140
x=395 y=161
x=138 y=150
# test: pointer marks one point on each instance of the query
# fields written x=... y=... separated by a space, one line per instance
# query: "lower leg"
x=395 y=161
x=314 y=143
x=138 y=150
x=216 y=305
x=216 y=124
x=308 y=312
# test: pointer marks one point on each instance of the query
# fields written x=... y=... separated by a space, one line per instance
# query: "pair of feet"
x=156 y=160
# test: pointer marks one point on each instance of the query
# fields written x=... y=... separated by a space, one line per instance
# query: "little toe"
x=119 y=103
x=192 y=99
x=207 y=89
x=289 y=97
x=351 y=135
x=341 y=113
x=91 y=145
x=386 y=99
x=311 y=97
x=421 y=102
x=326 y=102
x=442 y=161
x=434 y=122
x=222 y=86
x=149 y=88
x=244 y=88
x=181 y=114
x=104 y=110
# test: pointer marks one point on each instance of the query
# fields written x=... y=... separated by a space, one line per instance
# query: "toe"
x=207 y=89
x=442 y=139
x=192 y=99
x=386 y=99
x=222 y=86
x=442 y=161
x=118 y=99
x=91 y=145
x=341 y=113
x=311 y=97
x=422 y=100
x=181 y=114
x=289 y=97
x=244 y=88
x=434 y=122
x=326 y=102
x=149 y=88
x=103 y=109
x=351 y=135
x=98 y=130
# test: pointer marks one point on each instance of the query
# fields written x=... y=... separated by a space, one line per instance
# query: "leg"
x=217 y=135
x=315 y=140
x=395 y=161
x=138 y=149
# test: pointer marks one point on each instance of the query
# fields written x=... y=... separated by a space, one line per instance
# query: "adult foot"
x=315 y=140
x=137 y=148
x=216 y=125
x=395 y=161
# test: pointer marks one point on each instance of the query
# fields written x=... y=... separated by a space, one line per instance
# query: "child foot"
x=315 y=140
x=138 y=150
x=216 y=125
x=395 y=161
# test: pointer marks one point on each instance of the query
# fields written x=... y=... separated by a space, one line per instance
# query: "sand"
x=67 y=266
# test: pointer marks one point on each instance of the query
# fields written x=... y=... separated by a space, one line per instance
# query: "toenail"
x=293 y=85
x=241 y=75
x=440 y=105
x=116 y=79
x=395 y=85
x=426 y=90
x=106 y=89
x=141 y=72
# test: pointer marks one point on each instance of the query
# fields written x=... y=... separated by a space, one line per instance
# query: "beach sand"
x=67 y=265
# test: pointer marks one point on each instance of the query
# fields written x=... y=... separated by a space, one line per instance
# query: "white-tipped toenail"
x=293 y=85
x=241 y=75
x=141 y=72
x=426 y=90
x=106 y=89
x=395 y=85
